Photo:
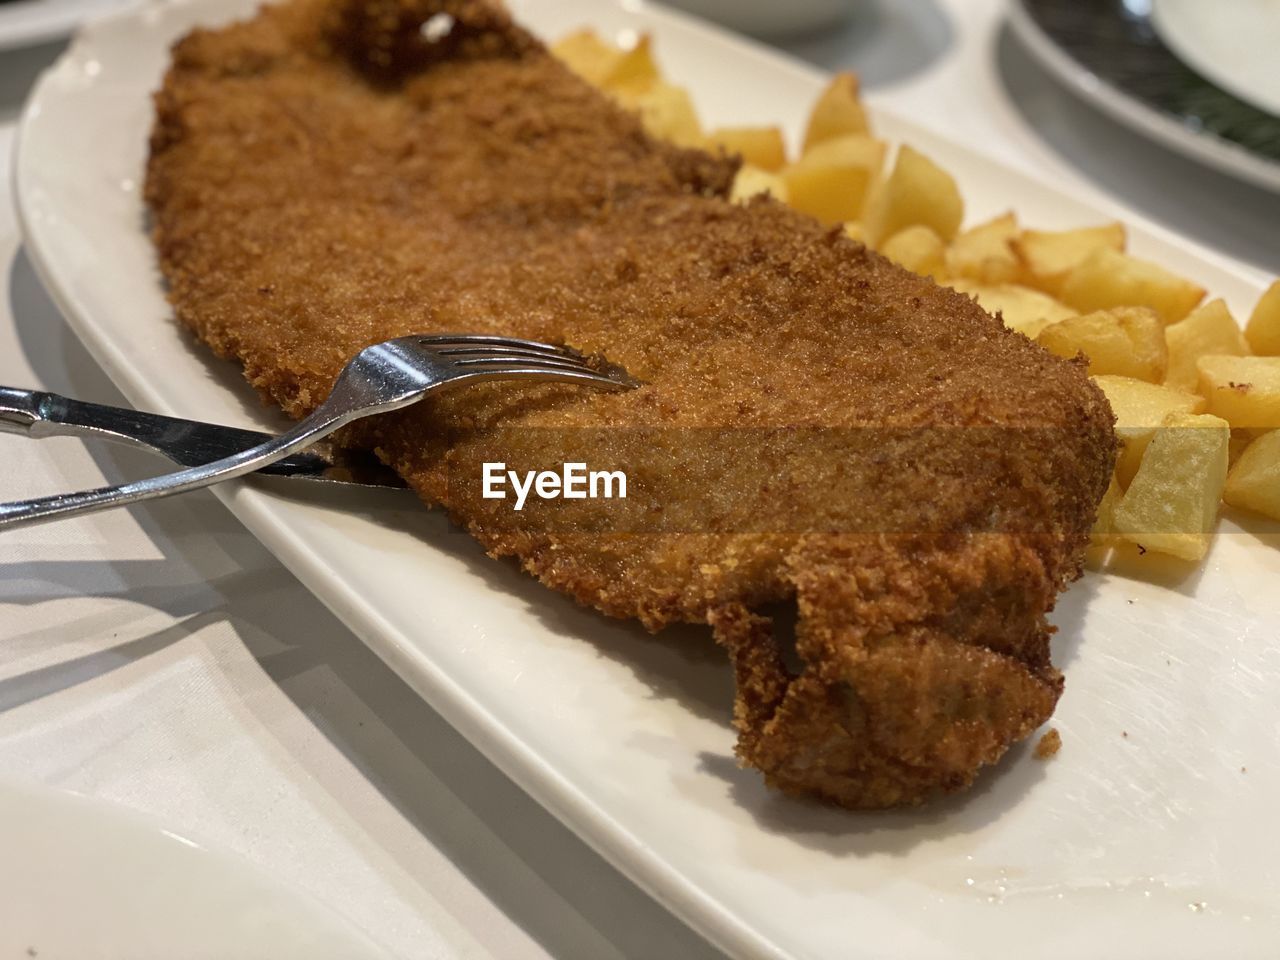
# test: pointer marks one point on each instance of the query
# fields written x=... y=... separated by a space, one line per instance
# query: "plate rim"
x=1128 y=111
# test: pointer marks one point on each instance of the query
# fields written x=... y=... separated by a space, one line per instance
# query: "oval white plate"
x=1234 y=43
x=83 y=878
x=1153 y=844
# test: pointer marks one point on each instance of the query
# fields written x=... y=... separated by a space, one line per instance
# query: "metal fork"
x=384 y=377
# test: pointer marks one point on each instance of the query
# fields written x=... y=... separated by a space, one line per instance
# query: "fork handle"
x=60 y=506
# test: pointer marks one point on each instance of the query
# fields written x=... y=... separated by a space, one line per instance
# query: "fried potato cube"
x=1047 y=256
x=1245 y=391
x=587 y=55
x=918 y=249
x=830 y=182
x=1254 y=480
x=983 y=252
x=1109 y=278
x=1172 y=503
x=761 y=147
x=634 y=70
x=751 y=181
x=1140 y=409
x=1124 y=341
x=837 y=113
x=1263 y=329
x=666 y=112
x=1023 y=309
x=918 y=191
x=1207 y=330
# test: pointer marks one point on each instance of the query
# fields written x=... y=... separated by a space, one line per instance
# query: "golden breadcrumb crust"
x=816 y=427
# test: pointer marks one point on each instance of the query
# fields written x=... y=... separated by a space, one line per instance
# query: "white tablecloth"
x=160 y=658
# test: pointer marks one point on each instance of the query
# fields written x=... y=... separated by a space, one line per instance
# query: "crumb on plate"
x=1049 y=744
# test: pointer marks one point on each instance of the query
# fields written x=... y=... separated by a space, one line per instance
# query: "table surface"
x=160 y=658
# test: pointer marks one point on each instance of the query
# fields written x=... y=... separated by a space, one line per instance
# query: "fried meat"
x=816 y=427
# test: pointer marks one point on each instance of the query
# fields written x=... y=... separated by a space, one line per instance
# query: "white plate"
x=1234 y=43
x=1154 y=844
x=1104 y=54
x=82 y=878
x=25 y=23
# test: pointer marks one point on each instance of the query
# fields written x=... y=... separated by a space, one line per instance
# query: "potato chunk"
x=666 y=112
x=759 y=146
x=918 y=249
x=635 y=69
x=1140 y=409
x=606 y=65
x=1206 y=330
x=1112 y=279
x=1172 y=504
x=918 y=191
x=983 y=252
x=751 y=181
x=1254 y=480
x=633 y=78
x=1023 y=309
x=587 y=55
x=1245 y=391
x=1123 y=341
x=830 y=182
x=1047 y=256
x=1263 y=330
x=837 y=113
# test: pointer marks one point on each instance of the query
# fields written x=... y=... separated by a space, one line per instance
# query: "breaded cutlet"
x=816 y=428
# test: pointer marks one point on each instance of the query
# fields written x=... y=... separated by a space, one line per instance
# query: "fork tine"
x=498 y=362
x=476 y=352
x=541 y=372
x=512 y=353
x=484 y=339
